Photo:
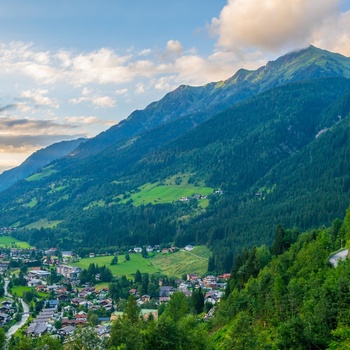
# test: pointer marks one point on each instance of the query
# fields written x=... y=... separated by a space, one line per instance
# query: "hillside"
x=290 y=299
x=256 y=152
x=36 y=161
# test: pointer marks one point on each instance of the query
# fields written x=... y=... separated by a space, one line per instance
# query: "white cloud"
x=103 y=102
x=270 y=24
x=145 y=52
x=38 y=97
x=166 y=83
x=121 y=91
x=7 y=164
x=89 y=120
x=174 y=47
x=334 y=34
x=96 y=100
x=140 y=88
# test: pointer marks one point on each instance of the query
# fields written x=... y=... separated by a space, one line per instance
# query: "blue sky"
x=74 y=68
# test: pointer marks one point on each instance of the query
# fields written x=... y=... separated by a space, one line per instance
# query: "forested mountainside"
x=286 y=296
x=278 y=157
x=36 y=161
x=289 y=296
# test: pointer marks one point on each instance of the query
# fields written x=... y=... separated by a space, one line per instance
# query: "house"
x=81 y=316
x=51 y=252
x=34 y=282
x=212 y=298
x=40 y=274
x=66 y=331
x=6 y=303
x=91 y=255
x=192 y=278
x=36 y=329
x=103 y=331
x=137 y=249
x=53 y=304
x=63 y=297
x=165 y=291
x=69 y=272
x=4 y=318
x=145 y=298
x=210 y=282
x=4 y=265
x=149 y=249
x=189 y=247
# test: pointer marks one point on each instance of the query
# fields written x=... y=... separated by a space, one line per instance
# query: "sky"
x=72 y=69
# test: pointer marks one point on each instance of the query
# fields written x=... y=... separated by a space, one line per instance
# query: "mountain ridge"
x=36 y=161
x=214 y=97
x=92 y=197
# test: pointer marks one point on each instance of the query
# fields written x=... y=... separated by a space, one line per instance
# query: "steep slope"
x=212 y=98
x=36 y=161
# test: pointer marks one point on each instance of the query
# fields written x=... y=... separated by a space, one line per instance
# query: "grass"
x=183 y=262
x=32 y=203
x=10 y=241
x=99 y=203
x=43 y=223
x=170 y=264
x=57 y=189
x=127 y=268
x=45 y=172
x=168 y=191
x=20 y=290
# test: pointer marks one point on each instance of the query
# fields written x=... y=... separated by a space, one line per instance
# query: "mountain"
x=258 y=154
x=212 y=98
x=36 y=161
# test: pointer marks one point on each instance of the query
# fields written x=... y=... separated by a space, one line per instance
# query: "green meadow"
x=168 y=191
x=20 y=290
x=127 y=268
x=12 y=242
x=183 y=262
x=45 y=172
x=170 y=264
x=43 y=223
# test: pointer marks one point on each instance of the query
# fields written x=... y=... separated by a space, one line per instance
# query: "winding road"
x=338 y=256
x=25 y=315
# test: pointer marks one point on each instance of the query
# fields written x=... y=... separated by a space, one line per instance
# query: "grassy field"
x=43 y=223
x=19 y=290
x=171 y=264
x=127 y=268
x=10 y=241
x=168 y=191
x=183 y=262
x=45 y=172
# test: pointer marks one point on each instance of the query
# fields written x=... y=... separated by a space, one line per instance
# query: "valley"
x=210 y=215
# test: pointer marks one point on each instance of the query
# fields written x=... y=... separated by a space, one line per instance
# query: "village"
x=59 y=297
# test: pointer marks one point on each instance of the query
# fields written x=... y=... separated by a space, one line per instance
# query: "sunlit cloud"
x=38 y=97
x=270 y=25
x=96 y=100
x=174 y=47
x=89 y=120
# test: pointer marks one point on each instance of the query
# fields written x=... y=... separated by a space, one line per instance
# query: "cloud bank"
x=275 y=26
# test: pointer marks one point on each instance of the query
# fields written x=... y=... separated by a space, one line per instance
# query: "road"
x=338 y=256
x=25 y=315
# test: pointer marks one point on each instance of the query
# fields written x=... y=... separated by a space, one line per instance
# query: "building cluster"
x=64 y=310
